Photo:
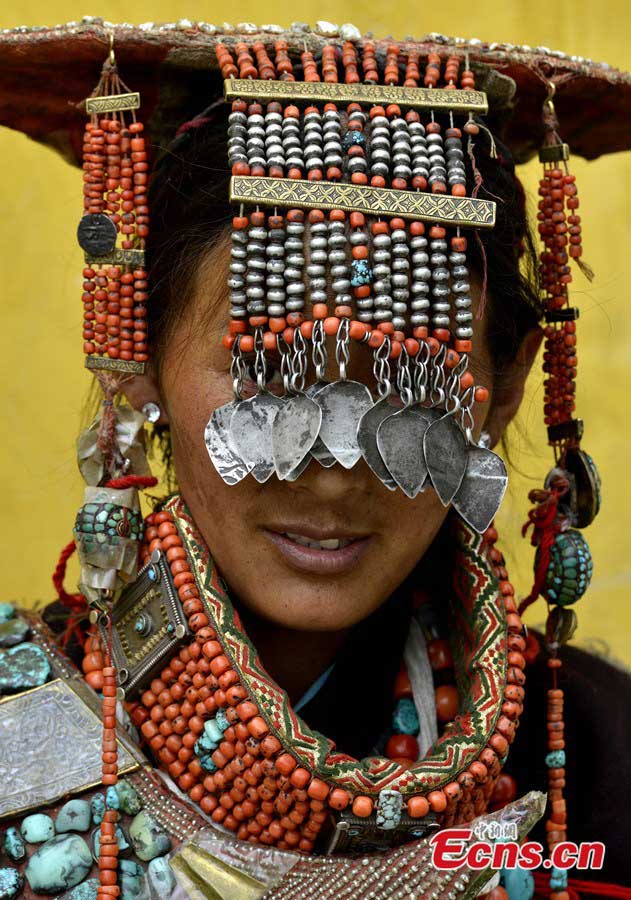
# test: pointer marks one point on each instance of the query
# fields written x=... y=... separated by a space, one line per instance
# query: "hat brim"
x=46 y=74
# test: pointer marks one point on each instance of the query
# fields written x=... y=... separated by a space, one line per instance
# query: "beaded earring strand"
x=108 y=527
x=369 y=194
x=570 y=499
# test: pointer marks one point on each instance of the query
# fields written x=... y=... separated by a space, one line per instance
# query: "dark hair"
x=190 y=213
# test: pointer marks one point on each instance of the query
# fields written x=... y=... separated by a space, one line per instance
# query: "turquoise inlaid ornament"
x=570 y=569
x=59 y=864
x=110 y=521
x=389 y=809
x=13 y=845
x=73 y=816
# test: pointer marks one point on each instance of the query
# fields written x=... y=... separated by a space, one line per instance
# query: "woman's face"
x=319 y=553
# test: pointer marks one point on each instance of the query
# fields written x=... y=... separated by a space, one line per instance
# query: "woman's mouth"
x=319 y=554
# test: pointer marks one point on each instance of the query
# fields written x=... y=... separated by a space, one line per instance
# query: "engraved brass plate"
x=115 y=365
x=50 y=745
x=554 y=153
x=148 y=624
x=289 y=192
x=118 y=257
x=112 y=103
x=437 y=99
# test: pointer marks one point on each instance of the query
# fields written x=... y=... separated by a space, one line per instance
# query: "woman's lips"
x=323 y=560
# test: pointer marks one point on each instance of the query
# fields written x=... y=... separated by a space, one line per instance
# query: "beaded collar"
x=229 y=737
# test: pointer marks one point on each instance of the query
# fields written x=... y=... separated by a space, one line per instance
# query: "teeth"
x=330 y=544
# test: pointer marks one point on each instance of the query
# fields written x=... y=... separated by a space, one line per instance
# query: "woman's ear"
x=508 y=391
x=142 y=389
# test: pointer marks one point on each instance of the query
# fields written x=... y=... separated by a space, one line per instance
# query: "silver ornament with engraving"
x=319 y=451
x=400 y=442
x=445 y=448
x=221 y=449
x=343 y=404
x=483 y=487
x=367 y=439
x=251 y=433
x=294 y=432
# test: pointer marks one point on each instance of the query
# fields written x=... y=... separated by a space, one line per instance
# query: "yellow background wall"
x=44 y=383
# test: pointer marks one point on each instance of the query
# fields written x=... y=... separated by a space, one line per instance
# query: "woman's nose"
x=329 y=485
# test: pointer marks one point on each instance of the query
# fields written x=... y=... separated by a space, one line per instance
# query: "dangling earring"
x=485 y=440
x=152 y=412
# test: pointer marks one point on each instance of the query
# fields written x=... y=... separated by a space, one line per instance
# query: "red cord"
x=139 y=481
x=75 y=602
x=546 y=527
x=577 y=887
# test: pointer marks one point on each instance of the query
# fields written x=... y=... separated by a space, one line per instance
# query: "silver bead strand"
x=456 y=174
x=380 y=149
x=238 y=268
x=313 y=144
x=362 y=274
x=237 y=134
x=292 y=142
x=420 y=156
x=256 y=266
x=256 y=139
x=421 y=277
x=400 y=278
x=295 y=261
x=440 y=283
x=275 y=279
x=332 y=133
x=460 y=288
x=382 y=274
x=401 y=150
x=318 y=257
x=356 y=136
x=437 y=167
x=274 y=151
x=340 y=272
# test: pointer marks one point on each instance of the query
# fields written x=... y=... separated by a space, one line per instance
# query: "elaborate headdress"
x=357 y=199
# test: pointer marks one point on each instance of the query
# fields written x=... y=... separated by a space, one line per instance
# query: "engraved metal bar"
x=554 y=153
x=438 y=99
x=118 y=257
x=289 y=192
x=115 y=365
x=112 y=103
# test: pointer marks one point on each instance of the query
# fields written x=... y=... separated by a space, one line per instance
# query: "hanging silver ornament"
x=221 y=449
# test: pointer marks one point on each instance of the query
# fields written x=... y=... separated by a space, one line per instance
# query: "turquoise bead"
x=128 y=797
x=221 y=720
x=405 y=717
x=518 y=883
x=87 y=890
x=97 y=805
x=213 y=731
x=59 y=864
x=161 y=878
x=11 y=884
x=132 y=881
x=556 y=759
x=558 y=879
x=121 y=838
x=7 y=611
x=73 y=816
x=13 y=845
x=206 y=762
x=148 y=838
x=22 y=667
x=111 y=798
x=37 y=828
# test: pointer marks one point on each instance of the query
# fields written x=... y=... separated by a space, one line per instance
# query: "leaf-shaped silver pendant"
x=482 y=490
x=400 y=442
x=294 y=432
x=343 y=403
x=367 y=439
x=221 y=449
x=318 y=451
x=445 y=448
x=251 y=432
